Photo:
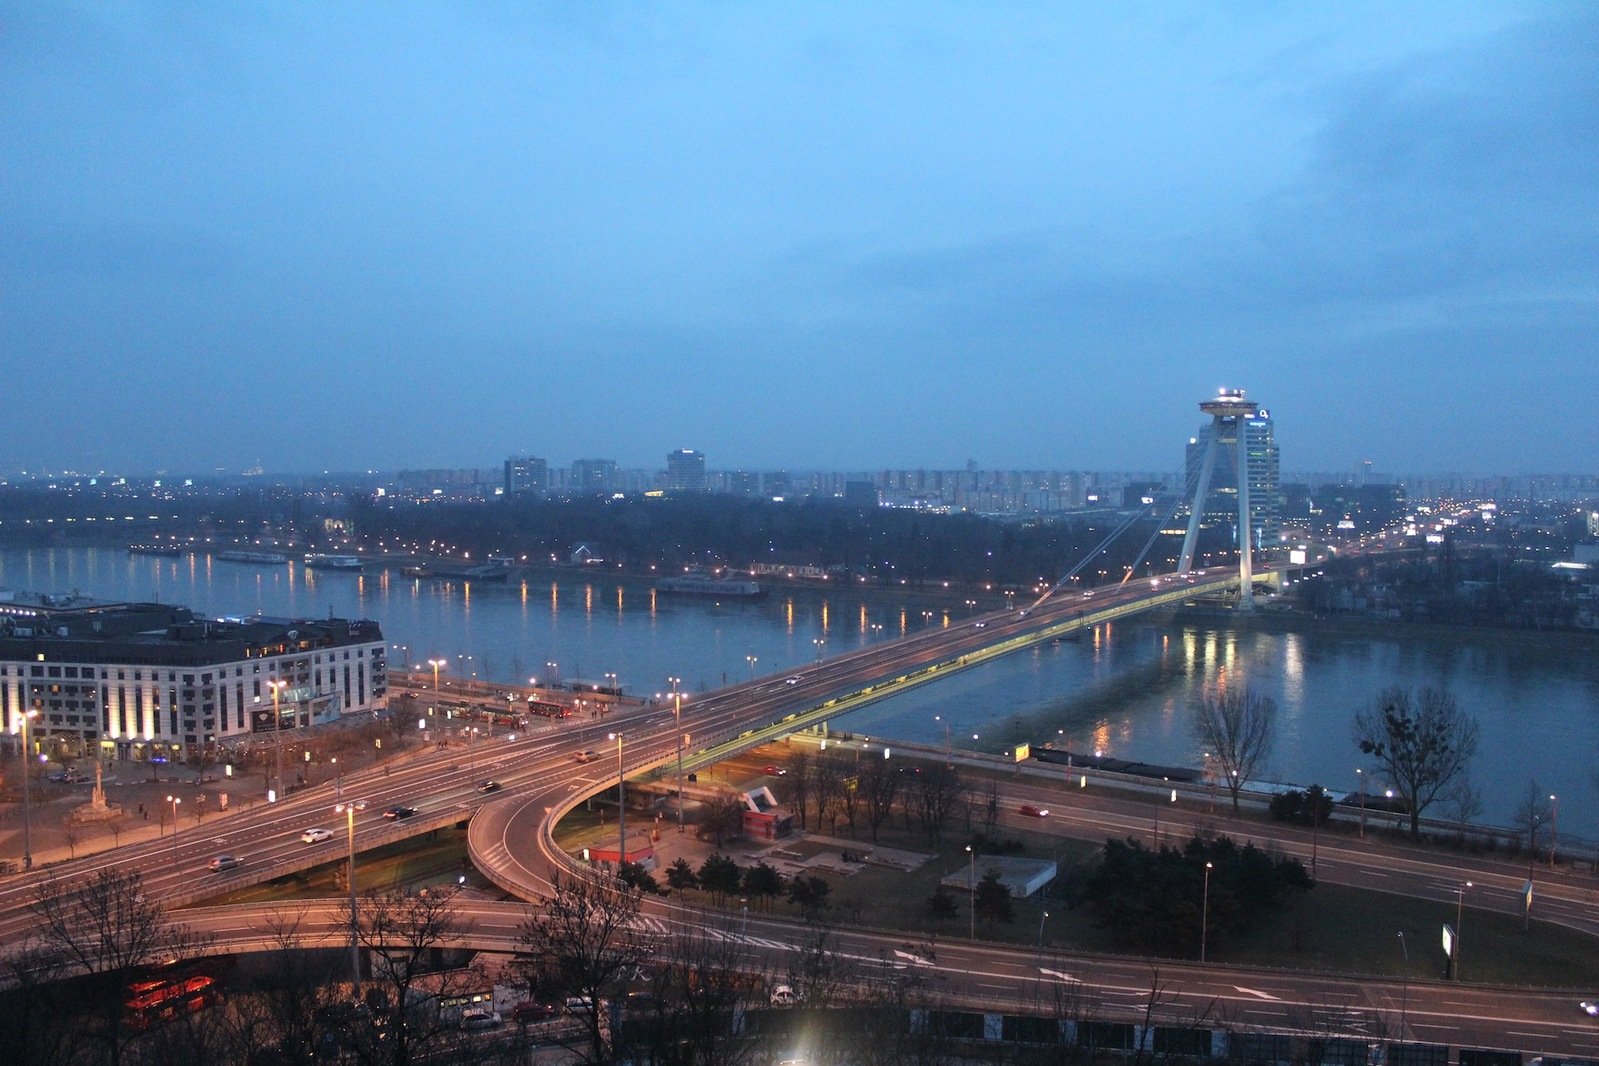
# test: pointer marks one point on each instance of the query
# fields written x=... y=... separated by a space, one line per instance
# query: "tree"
x=402 y=936
x=1237 y=727
x=723 y=819
x=582 y=942
x=105 y=928
x=799 y=776
x=680 y=875
x=1422 y=741
x=936 y=794
x=809 y=893
x=879 y=787
x=763 y=882
x=719 y=875
x=941 y=906
x=991 y=900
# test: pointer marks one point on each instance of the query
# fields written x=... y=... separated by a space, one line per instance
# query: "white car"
x=785 y=996
x=480 y=1019
x=316 y=836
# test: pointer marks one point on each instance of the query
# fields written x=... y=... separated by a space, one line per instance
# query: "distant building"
x=146 y=681
x=1263 y=470
x=861 y=494
x=526 y=474
x=685 y=471
x=591 y=476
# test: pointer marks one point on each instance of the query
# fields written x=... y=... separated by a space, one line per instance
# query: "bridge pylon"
x=1229 y=412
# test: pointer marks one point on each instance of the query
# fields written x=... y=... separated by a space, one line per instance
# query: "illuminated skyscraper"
x=685 y=471
x=1232 y=485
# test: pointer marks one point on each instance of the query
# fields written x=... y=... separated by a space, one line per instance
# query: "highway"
x=510 y=840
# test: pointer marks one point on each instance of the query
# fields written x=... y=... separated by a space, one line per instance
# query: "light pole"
x=555 y=674
x=1404 y=987
x=820 y=642
x=27 y=766
x=971 y=887
x=174 y=801
x=1460 y=912
x=948 y=762
x=1361 y=775
x=277 y=688
x=338 y=777
x=752 y=660
x=677 y=714
x=621 y=805
x=616 y=691
x=1204 y=913
x=1042 y=918
x=1554 y=828
x=348 y=810
x=437 y=664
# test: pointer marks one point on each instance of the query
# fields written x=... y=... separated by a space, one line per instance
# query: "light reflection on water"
x=1124 y=689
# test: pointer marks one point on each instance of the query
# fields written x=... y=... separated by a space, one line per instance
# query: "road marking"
x=1252 y=992
x=1059 y=975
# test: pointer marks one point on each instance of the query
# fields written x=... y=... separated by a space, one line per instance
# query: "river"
x=1124 y=690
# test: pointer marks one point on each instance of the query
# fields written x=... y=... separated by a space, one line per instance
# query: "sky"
x=848 y=236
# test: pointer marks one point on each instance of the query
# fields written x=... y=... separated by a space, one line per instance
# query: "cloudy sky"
x=845 y=236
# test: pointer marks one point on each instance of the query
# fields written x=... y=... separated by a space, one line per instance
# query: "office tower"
x=685 y=471
x=524 y=473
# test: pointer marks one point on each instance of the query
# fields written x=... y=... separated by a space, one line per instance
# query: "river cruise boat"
x=239 y=556
x=716 y=587
x=317 y=561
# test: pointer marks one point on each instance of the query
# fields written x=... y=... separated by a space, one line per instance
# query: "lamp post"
x=971 y=887
x=1404 y=987
x=437 y=664
x=1042 y=918
x=1361 y=775
x=1204 y=913
x=348 y=810
x=338 y=777
x=752 y=660
x=1460 y=912
x=820 y=642
x=948 y=762
x=1554 y=827
x=277 y=688
x=616 y=691
x=677 y=714
x=621 y=805
x=27 y=766
x=555 y=674
x=174 y=800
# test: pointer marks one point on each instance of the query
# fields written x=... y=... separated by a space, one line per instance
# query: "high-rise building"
x=685 y=471
x=1261 y=463
x=525 y=473
x=591 y=476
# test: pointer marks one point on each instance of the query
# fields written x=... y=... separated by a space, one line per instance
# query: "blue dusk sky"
x=844 y=236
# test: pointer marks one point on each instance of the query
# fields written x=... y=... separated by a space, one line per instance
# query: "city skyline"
x=838 y=238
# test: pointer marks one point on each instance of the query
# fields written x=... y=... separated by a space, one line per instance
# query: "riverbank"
x=1293 y=620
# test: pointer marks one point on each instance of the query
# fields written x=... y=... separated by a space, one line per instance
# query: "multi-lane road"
x=511 y=841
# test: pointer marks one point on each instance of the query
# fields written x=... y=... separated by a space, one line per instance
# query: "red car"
x=776 y=770
x=1032 y=811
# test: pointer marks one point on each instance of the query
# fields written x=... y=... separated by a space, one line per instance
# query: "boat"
x=720 y=588
x=318 y=561
x=240 y=556
x=154 y=549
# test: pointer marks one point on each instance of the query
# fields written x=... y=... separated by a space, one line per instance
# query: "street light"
x=1404 y=987
x=621 y=804
x=752 y=660
x=820 y=642
x=277 y=688
x=27 y=765
x=437 y=664
x=555 y=674
x=1042 y=918
x=174 y=801
x=1460 y=912
x=971 y=887
x=677 y=714
x=1361 y=775
x=348 y=810
x=1204 y=913
x=1554 y=828
x=338 y=777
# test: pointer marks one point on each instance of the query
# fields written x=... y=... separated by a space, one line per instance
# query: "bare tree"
x=707 y=981
x=1422 y=741
x=1237 y=727
x=937 y=793
x=1530 y=816
x=582 y=941
x=104 y=927
x=799 y=776
x=41 y=1028
x=879 y=788
x=402 y=935
x=827 y=785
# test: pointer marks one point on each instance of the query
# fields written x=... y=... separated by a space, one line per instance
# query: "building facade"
x=142 y=682
x=1264 y=473
x=685 y=471
x=526 y=473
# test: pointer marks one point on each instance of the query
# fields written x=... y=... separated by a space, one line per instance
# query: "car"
x=396 y=813
x=586 y=755
x=1590 y=1007
x=579 y=1005
x=1032 y=811
x=776 y=770
x=530 y=1011
x=224 y=862
x=480 y=1019
x=979 y=625
x=489 y=786
x=791 y=680
x=785 y=996
x=316 y=836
